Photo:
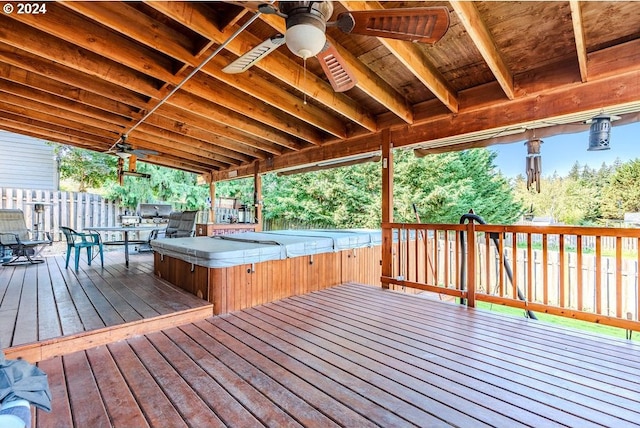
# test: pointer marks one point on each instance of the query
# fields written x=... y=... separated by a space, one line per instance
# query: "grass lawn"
x=563 y=321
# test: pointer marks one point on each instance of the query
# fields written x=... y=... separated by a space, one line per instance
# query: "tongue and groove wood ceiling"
x=84 y=73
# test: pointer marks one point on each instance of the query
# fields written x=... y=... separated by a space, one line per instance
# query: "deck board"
x=353 y=355
x=44 y=303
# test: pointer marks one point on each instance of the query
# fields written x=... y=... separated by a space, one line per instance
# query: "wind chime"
x=533 y=164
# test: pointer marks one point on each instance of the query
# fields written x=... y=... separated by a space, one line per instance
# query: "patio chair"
x=187 y=227
x=15 y=236
x=146 y=245
x=174 y=223
x=78 y=241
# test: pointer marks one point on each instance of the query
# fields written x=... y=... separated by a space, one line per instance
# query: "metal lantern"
x=599 y=132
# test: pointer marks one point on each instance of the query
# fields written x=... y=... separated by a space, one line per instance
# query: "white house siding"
x=26 y=163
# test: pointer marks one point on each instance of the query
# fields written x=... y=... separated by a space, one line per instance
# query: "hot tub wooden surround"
x=244 y=285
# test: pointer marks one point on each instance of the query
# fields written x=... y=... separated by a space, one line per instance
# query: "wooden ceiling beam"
x=36 y=87
x=61 y=24
x=57 y=81
x=23 y=128
x=37 y=42
x=58 y=23
x=578 y=34
x=65 y=114
x=70 y=76
x=195 y=129
x=199 y=121
x=125 y=77
x=168 y=142
x=71 y=110
x=65 y=138
x=368 y=82
x=413 y=59
x=481 y=37
x=571 y=98
x=209 y=110
x=127 y=20
x=194 y=16
x=246 y=106
x=139 y=139
x=184 y=121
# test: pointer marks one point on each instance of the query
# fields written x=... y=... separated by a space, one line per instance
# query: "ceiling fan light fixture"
x=305 y=40
x=123 y=155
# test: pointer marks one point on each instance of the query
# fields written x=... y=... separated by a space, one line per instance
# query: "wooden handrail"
x=553 y=266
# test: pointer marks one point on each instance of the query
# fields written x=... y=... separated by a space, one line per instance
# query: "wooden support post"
x=120 y=171
x=387 y=205
x=257 y=196
x=212 y=196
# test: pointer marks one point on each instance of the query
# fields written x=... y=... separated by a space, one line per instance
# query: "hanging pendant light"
x=600 y=131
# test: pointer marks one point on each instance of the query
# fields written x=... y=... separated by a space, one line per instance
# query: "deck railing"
x=554 y=269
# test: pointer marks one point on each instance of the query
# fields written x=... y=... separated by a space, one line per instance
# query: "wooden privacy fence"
x=550 y=269
x=73 y=209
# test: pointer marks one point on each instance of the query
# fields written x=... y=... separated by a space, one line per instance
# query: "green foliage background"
x=442 y=186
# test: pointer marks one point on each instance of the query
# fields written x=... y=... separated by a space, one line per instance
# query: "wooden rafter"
x=578 y=32
x=470 y=18
x=276 y=64
x=413 y=59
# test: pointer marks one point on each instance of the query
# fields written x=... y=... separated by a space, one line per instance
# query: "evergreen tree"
x=622 y=192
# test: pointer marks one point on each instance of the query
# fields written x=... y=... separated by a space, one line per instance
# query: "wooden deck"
x=354 y=356
x=47 y=310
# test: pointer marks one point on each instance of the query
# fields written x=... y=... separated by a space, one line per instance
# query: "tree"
x=165 y=185
x=574 y=199
x=87 y=168
x=622 y=192
x=443 y=186
x=448 y=185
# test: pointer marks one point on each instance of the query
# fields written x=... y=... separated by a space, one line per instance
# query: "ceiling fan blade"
x=425 y=25
x=254 y=55
x=336 y=68
x=143 y=152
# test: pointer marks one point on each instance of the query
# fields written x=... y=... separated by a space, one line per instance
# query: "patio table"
x=125 y=230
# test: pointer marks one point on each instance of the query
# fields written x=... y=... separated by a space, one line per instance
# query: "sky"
x=559 y=153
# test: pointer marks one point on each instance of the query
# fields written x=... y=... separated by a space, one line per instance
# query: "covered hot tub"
x=247 y=269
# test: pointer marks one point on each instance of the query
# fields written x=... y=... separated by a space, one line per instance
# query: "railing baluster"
x=487 y=257
x=545 y=271
x=434 y=261
x=618 y=277
x=598 y=273
x=417 y=250
x=447 y=257
x=579 y=271
x=637 y=280
x=500 y=263
x=529 y=269
x=514 y=264
x=561 y=260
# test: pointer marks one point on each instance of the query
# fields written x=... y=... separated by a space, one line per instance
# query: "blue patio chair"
x=78 y=241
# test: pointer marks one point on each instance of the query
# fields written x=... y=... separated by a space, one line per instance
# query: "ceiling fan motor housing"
x=306 y=26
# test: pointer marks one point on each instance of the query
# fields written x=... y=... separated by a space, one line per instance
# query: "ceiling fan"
x=307 y=22
x=125 y=150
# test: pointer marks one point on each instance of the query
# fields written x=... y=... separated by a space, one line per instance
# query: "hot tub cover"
x=294 y=245
x=217 y=253
x=342 y=239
